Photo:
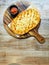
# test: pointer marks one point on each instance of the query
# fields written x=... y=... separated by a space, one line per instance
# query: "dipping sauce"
x=13 y=9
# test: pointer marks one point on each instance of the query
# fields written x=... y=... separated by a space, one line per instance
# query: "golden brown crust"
x=25 y=21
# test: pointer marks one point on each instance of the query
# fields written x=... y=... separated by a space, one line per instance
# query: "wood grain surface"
x=25 y=51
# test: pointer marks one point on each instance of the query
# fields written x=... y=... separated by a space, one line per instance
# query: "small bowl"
x=13 y=9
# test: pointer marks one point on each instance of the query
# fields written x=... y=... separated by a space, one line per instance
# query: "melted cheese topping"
x=25 y=21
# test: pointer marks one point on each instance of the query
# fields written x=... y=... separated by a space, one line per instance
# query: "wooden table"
x=25 y=51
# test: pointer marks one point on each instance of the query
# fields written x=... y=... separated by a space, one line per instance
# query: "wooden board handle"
x=37 y=36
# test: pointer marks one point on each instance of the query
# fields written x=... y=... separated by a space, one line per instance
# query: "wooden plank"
x=24 y=60
x=21 y=45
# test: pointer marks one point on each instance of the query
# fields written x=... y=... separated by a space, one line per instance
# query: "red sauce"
x=14 y=10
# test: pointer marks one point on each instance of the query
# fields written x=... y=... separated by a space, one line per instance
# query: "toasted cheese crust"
x=25 y=21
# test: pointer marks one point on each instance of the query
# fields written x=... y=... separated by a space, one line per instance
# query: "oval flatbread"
x=25 y=21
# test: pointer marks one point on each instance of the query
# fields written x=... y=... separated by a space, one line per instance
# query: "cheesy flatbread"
x=25 y=21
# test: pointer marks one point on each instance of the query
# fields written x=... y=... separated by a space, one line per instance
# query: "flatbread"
x=25 y=21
